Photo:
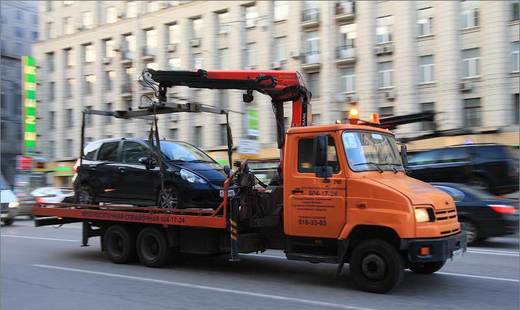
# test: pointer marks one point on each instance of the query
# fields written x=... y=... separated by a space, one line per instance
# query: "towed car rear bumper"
x=440 y=249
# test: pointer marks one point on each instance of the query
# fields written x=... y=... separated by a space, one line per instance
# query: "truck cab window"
x=132 y=151
x=306 y=156
x=108 y=151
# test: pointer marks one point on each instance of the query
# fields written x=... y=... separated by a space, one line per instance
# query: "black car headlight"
x=191 y=177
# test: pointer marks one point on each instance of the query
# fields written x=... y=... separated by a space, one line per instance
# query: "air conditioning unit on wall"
x=390 y=95
x=466 y=87
x=195 y=42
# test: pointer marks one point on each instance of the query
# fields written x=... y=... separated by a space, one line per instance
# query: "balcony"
x=148 y=53
x=345 y=11
x=345 y=55
x=126 y=90
x=311 y=61
x=310 y=18
x=126 y=58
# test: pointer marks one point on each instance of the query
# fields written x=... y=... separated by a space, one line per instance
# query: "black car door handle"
x=92 y=168
x=297 y=191
x=121 y=169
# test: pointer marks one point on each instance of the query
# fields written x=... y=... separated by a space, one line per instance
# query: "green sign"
x=252 y=122
x=29 y=103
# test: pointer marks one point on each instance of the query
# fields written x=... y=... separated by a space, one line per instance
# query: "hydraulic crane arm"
x=281 y=86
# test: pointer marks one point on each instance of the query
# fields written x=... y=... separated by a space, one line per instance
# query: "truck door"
x=313 y=206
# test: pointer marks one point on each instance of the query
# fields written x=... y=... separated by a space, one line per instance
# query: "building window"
x=68 y=25
x=69 y=118
x=18 y=31
x=427 y=107
x=52 y=91
x=49 y=60
x=251 y=15
x=348 y=80
x=111 y=14
x=386 y=111
x=69 y=87
x=70 y=59
x=89 y=53
x=515 y=10
x=222 y=137
x=197 y=27
x=281 y=10
x=347 y=41
x=222 y=58
x=52 y=119
x=131 y=9
x=250 y=55
x=426 y=69
x=280 y=49
x=88 y=117
x=384 y=29
x=108 y=107
x=311 y=11
x=69 y=147
x=385 y=74
x=223 y=22
x=90 y=81
x=471 y=63
x=50 y=31
x=173 y=33
x=198 y=136
x=150 y=36
x=223 y=99
x=173 y=134
x=516 y=108
x=470 y=14
x=313 y=82
x=128 y=46
x=515 y=56
x=174 y=63
x=35 y=19
x=109 y=48
x=19 y=15
x=197 y=61
x=34 y=35
x=87 y=20
x=312 y=47
x=110 y=78
x=425 y=22
x=51 y=149
x=127 y=83
x=472 y=112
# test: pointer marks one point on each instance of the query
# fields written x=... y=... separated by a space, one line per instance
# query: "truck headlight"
x=13 y=204
x=191 y=177
x=422 y=215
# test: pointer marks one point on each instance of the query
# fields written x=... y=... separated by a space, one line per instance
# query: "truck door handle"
x=121 y=169
x=297 y=191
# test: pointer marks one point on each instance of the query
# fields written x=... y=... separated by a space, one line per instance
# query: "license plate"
x=230 y=193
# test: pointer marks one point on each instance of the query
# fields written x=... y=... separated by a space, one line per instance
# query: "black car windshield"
x=371 y=151
x=179 y=151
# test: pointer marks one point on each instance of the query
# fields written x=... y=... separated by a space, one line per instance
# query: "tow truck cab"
x=346 y=182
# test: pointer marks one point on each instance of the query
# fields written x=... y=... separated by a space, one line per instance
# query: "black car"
x=126 y=171
x=491 y=167
x=482 y=215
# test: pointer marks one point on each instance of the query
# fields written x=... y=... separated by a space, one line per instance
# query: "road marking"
x=499 y=253
x=475 y=276
x=40 y=238
x=207 y=288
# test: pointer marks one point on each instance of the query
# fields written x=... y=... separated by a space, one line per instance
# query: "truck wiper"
x=394 y=166
x=371 y=163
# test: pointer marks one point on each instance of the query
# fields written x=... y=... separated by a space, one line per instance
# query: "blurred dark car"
x=490 y=167
x=482 y=215
x=26 y=201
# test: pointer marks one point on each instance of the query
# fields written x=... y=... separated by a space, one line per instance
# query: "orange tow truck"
x=341 y=196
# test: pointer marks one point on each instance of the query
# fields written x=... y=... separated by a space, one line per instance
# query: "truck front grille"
x=446 y=214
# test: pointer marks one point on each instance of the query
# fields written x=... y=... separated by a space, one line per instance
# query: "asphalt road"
x=45 y=268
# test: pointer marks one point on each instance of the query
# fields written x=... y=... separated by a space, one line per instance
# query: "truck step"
x=313 y=258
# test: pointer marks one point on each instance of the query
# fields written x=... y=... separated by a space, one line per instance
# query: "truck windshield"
x=371 y=151
x=179 y=151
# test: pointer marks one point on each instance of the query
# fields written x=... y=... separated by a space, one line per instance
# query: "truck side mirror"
x=322 y=169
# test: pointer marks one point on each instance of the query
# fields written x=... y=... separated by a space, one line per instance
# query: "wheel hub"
x=373 y=267
x=167 y=199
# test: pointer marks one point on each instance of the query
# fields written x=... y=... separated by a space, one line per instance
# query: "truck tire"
x=427 y=267
x=376 y=266
x=8 y=222
x=119 y=244
x=152 y=247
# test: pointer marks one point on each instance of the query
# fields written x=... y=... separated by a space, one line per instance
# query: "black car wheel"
x=472 y=235
x=427 y=267
x=119 y=244
x=376 y=266
x=86 y=195
x=168 y=198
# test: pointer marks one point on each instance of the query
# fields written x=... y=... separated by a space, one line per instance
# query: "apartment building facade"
x=457 y=58
x=19 y=29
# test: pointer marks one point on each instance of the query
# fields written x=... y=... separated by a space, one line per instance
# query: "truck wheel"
x=376 y=266
x=427 y=267
x=119 y=244
x=8 y=222
x=152 y=247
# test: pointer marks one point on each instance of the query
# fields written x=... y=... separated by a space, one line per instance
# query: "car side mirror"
x=147 y=162
x=322 y=169
x=227 y=170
